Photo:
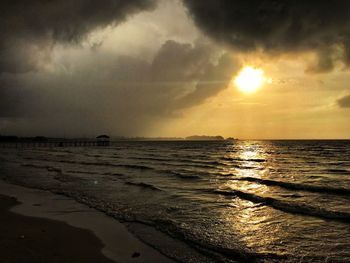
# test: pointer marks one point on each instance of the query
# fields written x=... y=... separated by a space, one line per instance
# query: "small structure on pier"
x=103 y=140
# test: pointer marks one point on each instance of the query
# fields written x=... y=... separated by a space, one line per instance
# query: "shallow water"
x=242 y=200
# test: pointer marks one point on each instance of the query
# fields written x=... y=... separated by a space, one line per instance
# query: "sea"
x=230 y=201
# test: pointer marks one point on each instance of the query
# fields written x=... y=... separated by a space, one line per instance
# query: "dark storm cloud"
x=191 y=70
x=214 y=79
x=95 y=91
x=29 y=28
x=119 y=95
x=278 y=26
x=344 y=102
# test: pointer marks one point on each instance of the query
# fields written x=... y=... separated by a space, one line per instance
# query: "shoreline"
x=117 y=244
x=34 y=239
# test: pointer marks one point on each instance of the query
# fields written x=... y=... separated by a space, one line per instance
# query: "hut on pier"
x=103 y=140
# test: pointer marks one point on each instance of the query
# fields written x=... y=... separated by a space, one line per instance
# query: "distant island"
x=231 y=139
x=204 y=138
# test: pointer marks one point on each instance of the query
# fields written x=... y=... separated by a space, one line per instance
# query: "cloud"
x=344 y=102
x=123 y=95
x=198 y=71
x=278 y=26
x=29 y=29
x=214 y=79
x=51 y=83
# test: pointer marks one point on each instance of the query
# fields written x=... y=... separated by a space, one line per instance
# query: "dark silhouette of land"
x=205 y=138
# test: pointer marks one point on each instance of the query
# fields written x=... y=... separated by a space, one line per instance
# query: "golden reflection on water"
x=254 y=222
x=251 y=160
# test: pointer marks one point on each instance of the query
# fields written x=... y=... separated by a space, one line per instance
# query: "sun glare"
x=249 y=79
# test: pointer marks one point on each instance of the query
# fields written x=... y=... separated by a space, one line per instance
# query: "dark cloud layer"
x=29 y=28
x=344 y=102
x=278 y=25
x=119 y=95
x=98 y=91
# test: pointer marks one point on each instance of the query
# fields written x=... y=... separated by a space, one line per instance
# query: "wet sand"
x=38 y=226
x=31 y=239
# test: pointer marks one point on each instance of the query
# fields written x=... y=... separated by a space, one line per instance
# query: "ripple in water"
x=241 y=200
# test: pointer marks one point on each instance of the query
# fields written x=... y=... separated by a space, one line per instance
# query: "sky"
x=167 y=68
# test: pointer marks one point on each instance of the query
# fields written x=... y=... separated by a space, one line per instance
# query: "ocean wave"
x=237 y=159
x=182 y=162
x=114 y=174
x=338 y=171
x=133 y=166
x=180 y=175
x=93 y=173
x=230 y=159
x=149 y=158
x=168 y=162
x=216 y=251
x=289 y=207
x=80 y=172
x=194 y=165
x=144 y=185
x=94 y=155
x=66 y=178
x=55 y=169
x=40 y=166
x=294 y=186
x=200 y=156
x=255 y=160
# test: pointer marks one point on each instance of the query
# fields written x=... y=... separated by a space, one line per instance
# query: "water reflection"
x=250 y=158
x=262 y=227
x=196 y=202
x=247 y=159
x=257 y=225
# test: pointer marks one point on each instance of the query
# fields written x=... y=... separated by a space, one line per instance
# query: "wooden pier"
x=14 y=142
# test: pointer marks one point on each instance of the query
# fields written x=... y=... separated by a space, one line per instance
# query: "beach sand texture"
x=38 y=226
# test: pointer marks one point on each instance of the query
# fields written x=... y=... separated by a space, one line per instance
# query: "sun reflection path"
x=253 y=222
x=247 y=159
x=252 y=157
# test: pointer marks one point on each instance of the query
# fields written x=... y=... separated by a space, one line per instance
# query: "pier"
x=39 y=141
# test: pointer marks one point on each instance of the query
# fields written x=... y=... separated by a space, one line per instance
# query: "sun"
x=249 y=79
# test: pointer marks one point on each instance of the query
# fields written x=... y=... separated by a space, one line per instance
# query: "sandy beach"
x=38 y=226
x=31 y=239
